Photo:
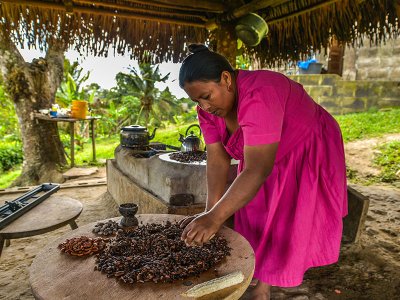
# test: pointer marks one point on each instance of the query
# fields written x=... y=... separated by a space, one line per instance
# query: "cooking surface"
x=165 y=157
x=55 y=275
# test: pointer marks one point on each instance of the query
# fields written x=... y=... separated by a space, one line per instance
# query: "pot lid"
x=136 y=128
x=192 y=137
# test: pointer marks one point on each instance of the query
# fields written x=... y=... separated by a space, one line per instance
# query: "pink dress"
x=295 y=220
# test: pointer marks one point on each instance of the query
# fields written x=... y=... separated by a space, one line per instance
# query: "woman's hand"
x=200 y=230
x=183 y=223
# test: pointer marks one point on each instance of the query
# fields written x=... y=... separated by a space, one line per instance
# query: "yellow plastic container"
x=79 y=109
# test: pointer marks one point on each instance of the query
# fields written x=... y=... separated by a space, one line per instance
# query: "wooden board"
x=55 y=275
x=52 y=213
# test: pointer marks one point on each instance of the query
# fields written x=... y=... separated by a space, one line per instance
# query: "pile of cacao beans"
x=155 y=252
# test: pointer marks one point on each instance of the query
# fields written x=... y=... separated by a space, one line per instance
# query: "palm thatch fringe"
x=96 y=33
x=298 y=35
x=163 y=28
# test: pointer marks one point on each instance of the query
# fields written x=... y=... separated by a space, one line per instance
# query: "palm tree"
x=141 y=85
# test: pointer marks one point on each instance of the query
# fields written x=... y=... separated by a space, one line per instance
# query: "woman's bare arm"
x=259 y=161
x=218 y=162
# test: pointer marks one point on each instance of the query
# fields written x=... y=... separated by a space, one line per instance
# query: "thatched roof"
x=164 y=26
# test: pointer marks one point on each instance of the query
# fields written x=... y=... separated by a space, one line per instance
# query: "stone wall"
x=367 y=62
x=341 y=96
x=372 y=62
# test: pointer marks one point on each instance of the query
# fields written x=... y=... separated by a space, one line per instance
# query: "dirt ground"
x=369 y=269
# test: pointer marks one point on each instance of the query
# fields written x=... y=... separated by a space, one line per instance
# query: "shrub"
x=389 y=160
x=10 y=155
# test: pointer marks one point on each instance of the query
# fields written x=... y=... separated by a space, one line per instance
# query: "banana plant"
x=71 y=87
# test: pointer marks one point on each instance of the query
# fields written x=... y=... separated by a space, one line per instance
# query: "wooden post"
x=335 y=62
x=227 y=43
x=93 y=139
x=397 y=7
x=72 y=134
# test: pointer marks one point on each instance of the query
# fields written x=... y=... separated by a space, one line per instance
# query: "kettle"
x=136 y=136
x=191 y=142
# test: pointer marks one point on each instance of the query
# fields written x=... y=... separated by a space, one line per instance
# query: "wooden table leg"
x=72 y=134
x=1 y=244
x=73 y=225
x=93 y=139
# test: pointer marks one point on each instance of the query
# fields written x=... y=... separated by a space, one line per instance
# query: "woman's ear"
x=226 y=79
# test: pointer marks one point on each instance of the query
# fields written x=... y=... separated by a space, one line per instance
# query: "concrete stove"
x=158 y=184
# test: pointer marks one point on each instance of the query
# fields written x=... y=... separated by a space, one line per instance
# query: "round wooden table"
x=56 y=275
x=51 y=214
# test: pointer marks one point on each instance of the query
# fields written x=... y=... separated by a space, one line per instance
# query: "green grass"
x=105 y=147
x=388 y=159
x=6 y=178
x=369 y=124
x=170 y=136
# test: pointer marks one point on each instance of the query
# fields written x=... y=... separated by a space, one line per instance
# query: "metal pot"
x=136 y=136
x=191 y=142
x=251 y=29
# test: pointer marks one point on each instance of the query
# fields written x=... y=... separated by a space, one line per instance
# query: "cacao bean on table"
x=107 y=228
x=155 y=252
x=82 y=246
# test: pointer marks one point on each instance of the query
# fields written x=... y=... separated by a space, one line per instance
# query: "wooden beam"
x=252 y=7
x=105 y=12
x=198 y=4
x=164 y=5
x=117 y=6
x=296 y=14
x=397 y=7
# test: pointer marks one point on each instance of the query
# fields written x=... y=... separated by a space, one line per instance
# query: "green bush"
x=369 y=124
x=9 y=129
x=6 y=178
x=389 y=160
x=10 y=155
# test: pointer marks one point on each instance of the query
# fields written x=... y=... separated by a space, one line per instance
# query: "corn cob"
x=214 y=285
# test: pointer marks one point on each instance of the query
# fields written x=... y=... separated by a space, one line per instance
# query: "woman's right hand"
x=185 y=221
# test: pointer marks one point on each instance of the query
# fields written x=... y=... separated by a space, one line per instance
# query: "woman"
x=290 y=194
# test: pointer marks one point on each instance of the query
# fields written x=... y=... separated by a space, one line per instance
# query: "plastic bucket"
x=313 y=68
x=79 y=109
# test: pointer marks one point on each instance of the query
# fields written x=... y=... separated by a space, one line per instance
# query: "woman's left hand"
x=200 y=230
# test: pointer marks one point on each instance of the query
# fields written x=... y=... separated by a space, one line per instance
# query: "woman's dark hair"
x=203 y=65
